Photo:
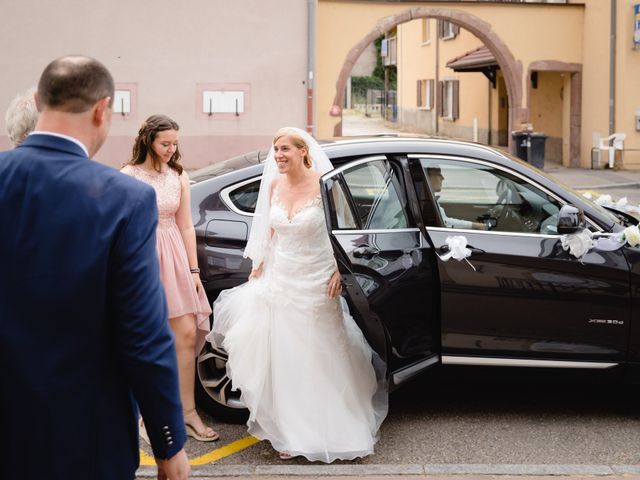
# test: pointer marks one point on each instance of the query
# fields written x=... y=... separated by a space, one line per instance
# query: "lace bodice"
x=301 y=236
x=168 y=190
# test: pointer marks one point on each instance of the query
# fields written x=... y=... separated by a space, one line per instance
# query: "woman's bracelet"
x=194 y=270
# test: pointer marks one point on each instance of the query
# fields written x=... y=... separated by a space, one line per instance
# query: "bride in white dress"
x=301 y=363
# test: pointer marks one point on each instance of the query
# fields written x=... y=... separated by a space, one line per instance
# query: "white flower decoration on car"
x=631 y=235
x=578 y=244
x=457 y=249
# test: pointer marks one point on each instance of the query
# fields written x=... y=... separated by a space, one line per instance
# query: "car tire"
x=213 y=387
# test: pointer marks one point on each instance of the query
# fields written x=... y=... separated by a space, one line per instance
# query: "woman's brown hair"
x=145 y=138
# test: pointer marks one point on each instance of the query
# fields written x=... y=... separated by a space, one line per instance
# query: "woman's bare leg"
x=184 y=330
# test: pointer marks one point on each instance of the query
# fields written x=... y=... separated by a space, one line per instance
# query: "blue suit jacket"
x=83 y=319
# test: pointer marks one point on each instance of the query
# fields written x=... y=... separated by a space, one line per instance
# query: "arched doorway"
x=511 y=68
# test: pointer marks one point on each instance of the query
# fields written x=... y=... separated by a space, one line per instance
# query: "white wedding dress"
x=301 y=363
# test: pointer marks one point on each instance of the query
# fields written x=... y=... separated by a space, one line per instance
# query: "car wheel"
x=213 y=387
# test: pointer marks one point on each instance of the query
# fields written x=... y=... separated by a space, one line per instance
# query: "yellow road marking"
x=233 y=447
x=217 y=454
x=146 y=460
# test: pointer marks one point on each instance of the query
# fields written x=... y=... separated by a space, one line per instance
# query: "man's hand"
x=176 y=468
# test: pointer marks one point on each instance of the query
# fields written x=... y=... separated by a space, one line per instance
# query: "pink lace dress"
x=177 y=280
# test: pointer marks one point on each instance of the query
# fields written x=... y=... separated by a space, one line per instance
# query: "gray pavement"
x=425 y=472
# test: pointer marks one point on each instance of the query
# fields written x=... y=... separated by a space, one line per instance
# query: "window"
x=471 y=195
x=389 y=51
x=425 y=94
x=449 y=99
x=244 y=197
x=447 y=30
x=377 y=199
x=426 y=32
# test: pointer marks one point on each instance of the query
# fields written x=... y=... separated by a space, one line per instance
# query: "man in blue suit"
x=83 y=318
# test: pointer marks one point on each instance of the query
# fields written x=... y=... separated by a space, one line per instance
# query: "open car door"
x=386 y=263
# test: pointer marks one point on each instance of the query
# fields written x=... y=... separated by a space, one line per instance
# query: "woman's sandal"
x=285 y=456
x=200 y=436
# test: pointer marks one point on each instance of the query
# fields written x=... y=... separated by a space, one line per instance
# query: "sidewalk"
x=585 y=179
x=401 y=472
x=409 y=472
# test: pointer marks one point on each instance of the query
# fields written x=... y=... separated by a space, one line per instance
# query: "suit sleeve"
x=145 y=341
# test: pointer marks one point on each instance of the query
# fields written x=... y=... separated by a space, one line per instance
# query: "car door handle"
x=365 y=251
x=474 y=251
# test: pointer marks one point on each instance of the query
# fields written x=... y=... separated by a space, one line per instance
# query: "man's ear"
x=100 y=109
x=36 y=101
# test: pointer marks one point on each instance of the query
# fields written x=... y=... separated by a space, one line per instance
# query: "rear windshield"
x=226 y=166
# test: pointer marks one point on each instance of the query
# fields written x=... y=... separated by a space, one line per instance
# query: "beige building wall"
x=342 y=25
x=416 y=60
x=547 y=103
x=627 y=98
x=168 y=52
x=474 y=90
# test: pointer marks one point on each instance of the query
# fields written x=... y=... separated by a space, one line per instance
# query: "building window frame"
x=447 y=30
x=449 y=104
x=425 y=94
x=425 y=32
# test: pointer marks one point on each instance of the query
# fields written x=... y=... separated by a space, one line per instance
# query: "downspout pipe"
x=311 y=62
x=612 y=70
x=436 y=87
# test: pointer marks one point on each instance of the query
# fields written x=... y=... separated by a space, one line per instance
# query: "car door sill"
x=405 y=374
x=522 y=362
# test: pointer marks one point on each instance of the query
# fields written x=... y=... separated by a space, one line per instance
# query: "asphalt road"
x=464 y=415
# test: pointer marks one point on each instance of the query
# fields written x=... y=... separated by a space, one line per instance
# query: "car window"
x=344 y=217
x=378 y=196
x=470 y=195
x=245 y=197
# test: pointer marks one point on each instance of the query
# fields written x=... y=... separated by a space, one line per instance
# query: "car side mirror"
x=570 y=220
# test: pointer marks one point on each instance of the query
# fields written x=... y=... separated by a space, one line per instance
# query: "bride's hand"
x=256 y=272
x=335 y=285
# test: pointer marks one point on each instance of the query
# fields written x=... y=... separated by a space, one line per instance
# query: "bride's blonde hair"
x=297 y=140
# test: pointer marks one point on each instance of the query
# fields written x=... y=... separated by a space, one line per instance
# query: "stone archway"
x=511 y=68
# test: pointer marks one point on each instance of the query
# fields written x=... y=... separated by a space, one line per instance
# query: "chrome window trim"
x=355 y=163
x=493 y=232
x=377 y=230
x=504 y=169
x=350 y=165
x=226 y=199
x=521 y=362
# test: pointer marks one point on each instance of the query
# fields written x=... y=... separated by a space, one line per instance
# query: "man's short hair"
x=74 y=84
x=21 y=117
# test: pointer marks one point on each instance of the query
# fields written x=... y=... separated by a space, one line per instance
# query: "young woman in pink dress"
x=155 y=161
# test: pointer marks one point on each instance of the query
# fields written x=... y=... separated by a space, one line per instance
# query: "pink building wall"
x=167 y=52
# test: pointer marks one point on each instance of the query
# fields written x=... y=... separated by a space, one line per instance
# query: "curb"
x=607 y=186
x=411 y=469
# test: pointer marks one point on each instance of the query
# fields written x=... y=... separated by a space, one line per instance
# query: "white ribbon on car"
x=579 y=244
x=606 y=200
x=457 y=250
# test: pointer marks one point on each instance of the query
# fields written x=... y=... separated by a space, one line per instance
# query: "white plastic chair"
x=602 y=143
